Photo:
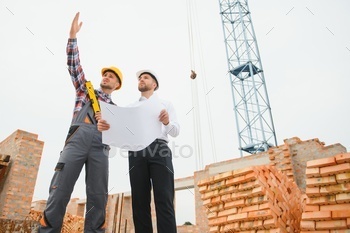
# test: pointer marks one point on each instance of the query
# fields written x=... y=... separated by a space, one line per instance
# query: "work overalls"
x=83 y=146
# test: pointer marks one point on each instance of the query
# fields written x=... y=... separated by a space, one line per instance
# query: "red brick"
x=307 y=225
x=316 y=215
x=343 y=197
x=343 y=177
x=321 y=162
x=237 y=217
x=342 y=158
x=312 y=172
x=335 y=207
x=334 y=189
x=339 y=214
x=335 y=169
x=331 y=225
x=314 y=182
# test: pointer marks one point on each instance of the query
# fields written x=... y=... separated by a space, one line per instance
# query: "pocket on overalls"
x=72 y=130
x=57 y=176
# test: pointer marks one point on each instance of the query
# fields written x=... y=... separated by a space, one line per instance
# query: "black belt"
x=161 y=141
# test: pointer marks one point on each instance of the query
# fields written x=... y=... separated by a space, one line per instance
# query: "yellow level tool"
x=92 y=96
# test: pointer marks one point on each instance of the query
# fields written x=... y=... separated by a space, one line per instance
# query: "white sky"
x=304 y=47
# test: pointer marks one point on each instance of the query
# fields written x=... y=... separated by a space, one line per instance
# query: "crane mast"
x=252 y=109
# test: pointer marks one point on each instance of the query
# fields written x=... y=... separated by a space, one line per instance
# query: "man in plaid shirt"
x=83 y=146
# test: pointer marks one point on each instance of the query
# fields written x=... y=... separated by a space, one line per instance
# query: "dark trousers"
x=152 y=167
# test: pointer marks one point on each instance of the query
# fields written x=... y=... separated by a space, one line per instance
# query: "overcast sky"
x=304 y=47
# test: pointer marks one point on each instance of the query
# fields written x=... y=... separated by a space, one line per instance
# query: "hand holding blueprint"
x=132 y=128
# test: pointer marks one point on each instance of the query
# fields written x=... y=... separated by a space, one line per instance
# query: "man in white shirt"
x=152 y=167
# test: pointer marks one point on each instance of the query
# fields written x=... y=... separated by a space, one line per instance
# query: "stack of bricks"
x=281 y=158
x=71 y=223
x=257 y=199
x=327 y=204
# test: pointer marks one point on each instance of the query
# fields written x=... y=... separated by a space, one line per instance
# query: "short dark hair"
x=150 y=74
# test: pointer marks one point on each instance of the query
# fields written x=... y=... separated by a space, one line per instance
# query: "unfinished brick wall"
x=304 y=151
x=229 y=209
x=289 y=159
x=201 y=216
x=17 y=187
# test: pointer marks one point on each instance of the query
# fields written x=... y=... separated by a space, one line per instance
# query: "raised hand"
x=75 y=28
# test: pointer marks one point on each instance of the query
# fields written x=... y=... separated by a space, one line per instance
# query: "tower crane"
x=252 y=109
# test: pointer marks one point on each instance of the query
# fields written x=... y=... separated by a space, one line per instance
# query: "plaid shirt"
x=78 y=78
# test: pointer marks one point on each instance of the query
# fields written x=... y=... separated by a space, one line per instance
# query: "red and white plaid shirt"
x=78 y=77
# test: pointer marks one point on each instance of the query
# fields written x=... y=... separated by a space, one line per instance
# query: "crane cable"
x=191 y=13
x=194 y=91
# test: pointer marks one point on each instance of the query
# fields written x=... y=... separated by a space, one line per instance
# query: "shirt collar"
x=142 y=98
x=103 y=94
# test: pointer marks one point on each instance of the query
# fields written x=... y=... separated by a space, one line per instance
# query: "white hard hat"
x=150 y=72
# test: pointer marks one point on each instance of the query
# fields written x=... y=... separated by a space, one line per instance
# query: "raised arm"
x=73 y=60
x=75 y=28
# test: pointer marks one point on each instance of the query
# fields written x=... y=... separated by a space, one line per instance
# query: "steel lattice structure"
x=254 y=121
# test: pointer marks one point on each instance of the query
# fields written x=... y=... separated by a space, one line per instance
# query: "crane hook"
x=193 y=74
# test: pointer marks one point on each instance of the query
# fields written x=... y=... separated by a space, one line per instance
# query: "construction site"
x=299 y=186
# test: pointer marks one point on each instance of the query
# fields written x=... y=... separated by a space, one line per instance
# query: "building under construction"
x=299 y=186
x=302 y=185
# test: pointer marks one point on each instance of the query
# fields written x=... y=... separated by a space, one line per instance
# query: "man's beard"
x=144 y=88
x=105 y=86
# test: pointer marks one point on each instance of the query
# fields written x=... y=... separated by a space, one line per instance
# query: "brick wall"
x=201 y=216
x=289 y=158
x=303 y=151
x=17 y=187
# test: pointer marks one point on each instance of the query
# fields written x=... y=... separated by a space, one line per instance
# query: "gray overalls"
x=83 y=146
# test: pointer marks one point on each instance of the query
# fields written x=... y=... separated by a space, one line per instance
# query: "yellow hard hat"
x=116 y=71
